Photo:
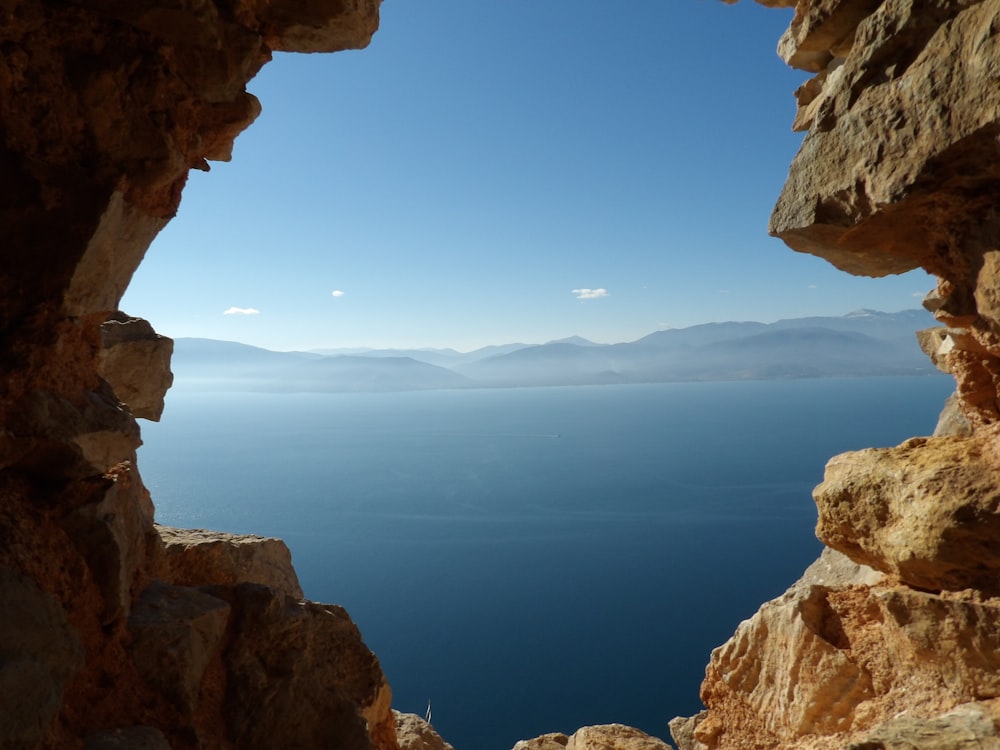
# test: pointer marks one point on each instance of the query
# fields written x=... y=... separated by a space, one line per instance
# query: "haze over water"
x=537 y=559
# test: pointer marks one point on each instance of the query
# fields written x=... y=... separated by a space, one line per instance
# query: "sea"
x=532 y=560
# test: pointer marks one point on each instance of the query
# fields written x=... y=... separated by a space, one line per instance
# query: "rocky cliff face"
x=116 y=633
x=892 y=639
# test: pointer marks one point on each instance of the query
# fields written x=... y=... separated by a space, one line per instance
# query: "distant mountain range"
x=861 y=344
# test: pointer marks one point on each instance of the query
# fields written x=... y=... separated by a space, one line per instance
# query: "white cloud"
x=811 y=286
x=590 y=293
x=241 y=311
x=336 y=293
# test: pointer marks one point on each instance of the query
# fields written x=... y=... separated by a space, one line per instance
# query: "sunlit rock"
x=925 y=511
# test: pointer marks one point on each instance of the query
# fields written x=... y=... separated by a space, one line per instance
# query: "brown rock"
x=111 y=532
x=136 y=361
x=300 y=671
x=106 y=105
x=551 y=741
x=196 y=557
x=682 y=729
x=414 y=733
x=951 y=420
x=826 y=667
x=600 y=737
x=130 y=738
x=39 y=652
x=925 y=511
x=614 y=737
x=971 y=726
x=176 y=631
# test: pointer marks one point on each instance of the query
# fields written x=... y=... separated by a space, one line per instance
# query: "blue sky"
x=456 y=181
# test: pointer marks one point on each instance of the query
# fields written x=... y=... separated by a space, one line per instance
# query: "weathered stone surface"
x=135 y=360
x=300 y=671
x=196 y=557
x=820 y=667
x=614 y=737
x=786 y=673
x=599 y=737
x=111 y=533
x=176 y=631
x=952 y=421
x=105 y=106
x=927 y=511
x=971 y=726
x=900 y=167
x=682 y=729
x=129 y=738
x=551 y=741
x=39 y=652
x=414 y=733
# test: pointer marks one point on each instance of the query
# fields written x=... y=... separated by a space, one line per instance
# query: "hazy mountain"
x=441 y=357
x=862 y=343
x=225 y=365
x=577 y=340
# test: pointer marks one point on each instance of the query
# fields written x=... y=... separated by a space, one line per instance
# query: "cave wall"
x=892 y=638
x=117 y=633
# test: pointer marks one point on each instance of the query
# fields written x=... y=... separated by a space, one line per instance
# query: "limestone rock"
x=925 y=511
x=176 y=631
x=136 y=361
x=39 y=652
x=196 y=557
x=614 y=737
x=107 y=105
x=787 y=668
x=971 y=726
x=599 y=737
x=825 y=666
x=951 y=420
x=414 y=733
x=300 y=671
x=551 y=741
x=111 y=531
x=682 y=729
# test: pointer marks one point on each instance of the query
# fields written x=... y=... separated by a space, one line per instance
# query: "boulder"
x=135 y=360
x=299 y=671
x=176 y=631
x=39 y=653
x=415 y=733
x=971 y=726
x=925 y=511
x=200 y=557
x=111 y=531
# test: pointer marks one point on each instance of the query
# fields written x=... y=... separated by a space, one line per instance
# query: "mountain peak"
x=575 y=340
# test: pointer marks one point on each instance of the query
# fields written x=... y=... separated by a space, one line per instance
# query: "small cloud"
x=336 y=293
x=241 y=311
x=723 y=291
x=919 y=295
x=811 y=286
x=590 y=293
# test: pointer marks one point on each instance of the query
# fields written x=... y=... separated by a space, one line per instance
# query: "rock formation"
x=892 y=640
x=117 y=633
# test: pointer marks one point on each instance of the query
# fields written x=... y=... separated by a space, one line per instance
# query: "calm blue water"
x=533 y=560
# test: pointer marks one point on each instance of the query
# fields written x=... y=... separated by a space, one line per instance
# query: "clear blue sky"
x=460 y=178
